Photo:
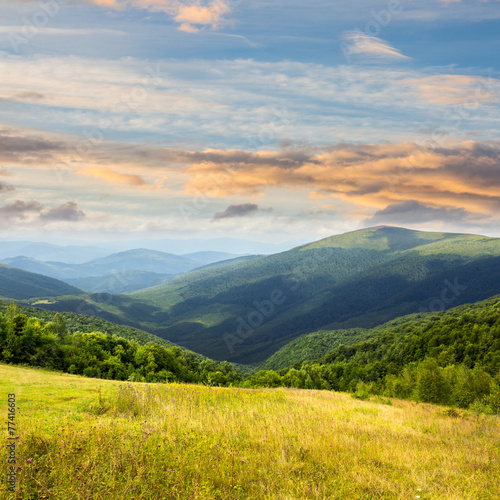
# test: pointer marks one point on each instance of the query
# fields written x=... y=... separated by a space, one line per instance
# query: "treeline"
x=35 y=342
x=86 y=323
x=448 y=358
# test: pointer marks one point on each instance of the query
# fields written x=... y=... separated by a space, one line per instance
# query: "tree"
x=431 y=383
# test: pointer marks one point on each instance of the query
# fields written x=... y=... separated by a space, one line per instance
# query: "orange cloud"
x=456 y=89
x=191 y=14
x=111 y=176
x=369 y=176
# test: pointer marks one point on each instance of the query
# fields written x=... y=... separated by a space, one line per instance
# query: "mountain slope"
x=73 y=254
x=21 y=285
x=245 y=310
x=312 y=347
x=358 y=279
x=124 y=282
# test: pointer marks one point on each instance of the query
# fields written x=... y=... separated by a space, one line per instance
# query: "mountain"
x=313 y=346
x=113 y=268
x=21 y=285
x=358 y=279
x=124 y=282
x=72 y=254
x=57 y=270
x=247 y=309
x=204 y=258
x=452 y=334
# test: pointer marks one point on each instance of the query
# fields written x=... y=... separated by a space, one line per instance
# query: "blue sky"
x=147 y=118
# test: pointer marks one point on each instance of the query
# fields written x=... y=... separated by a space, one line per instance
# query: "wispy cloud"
x=359 y=43
x=112 y=177
x=455 y=89
x=21 y=30
x=5 y=188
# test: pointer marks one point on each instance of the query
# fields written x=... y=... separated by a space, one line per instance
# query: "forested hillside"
x=22 y=285
x=36 y=342
x=358 y=279
x=248 y=309
x=450 y=357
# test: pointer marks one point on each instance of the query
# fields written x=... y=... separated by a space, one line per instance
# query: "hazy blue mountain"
x=204 y=258
x=73 y=254
x=58 y=270
x=116 y=268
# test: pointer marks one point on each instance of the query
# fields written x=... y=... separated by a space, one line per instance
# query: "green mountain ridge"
x=21 y=285
x=357 y=279
x=247 y=310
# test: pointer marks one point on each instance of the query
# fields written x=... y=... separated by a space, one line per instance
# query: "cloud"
x=357 y=42
x=19 y=210
x=237 y=211
x=29 y=96
x=370 y=176
x=16 y=147
x=34 y=213
x=21 y=30
x=191 y=15
x=68 y=212
x=5 y=188
x=111 y=176
x=456 y=89
x=413 y=212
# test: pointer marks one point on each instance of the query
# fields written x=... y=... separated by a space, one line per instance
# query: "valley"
x=355 y=280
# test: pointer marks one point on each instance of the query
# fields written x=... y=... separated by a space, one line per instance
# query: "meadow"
x=83 y=438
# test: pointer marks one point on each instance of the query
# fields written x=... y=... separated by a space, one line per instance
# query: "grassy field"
x=96 y=439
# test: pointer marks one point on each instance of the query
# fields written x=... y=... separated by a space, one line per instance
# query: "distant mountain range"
x=245 y=310
x=73 y=254
x=120 y=272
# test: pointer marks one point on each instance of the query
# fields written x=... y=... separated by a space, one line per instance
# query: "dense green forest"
x=451 y=357
x=88 y=323
x=34 y=341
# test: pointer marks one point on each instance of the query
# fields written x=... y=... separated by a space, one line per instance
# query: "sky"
x=268 y=121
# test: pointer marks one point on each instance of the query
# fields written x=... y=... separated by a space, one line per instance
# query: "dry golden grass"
x=192 y=442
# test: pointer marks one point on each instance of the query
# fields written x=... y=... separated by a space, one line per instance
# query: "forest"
x=449 y=358
x=33 y=341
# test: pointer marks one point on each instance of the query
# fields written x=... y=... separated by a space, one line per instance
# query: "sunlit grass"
x=99 y=439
